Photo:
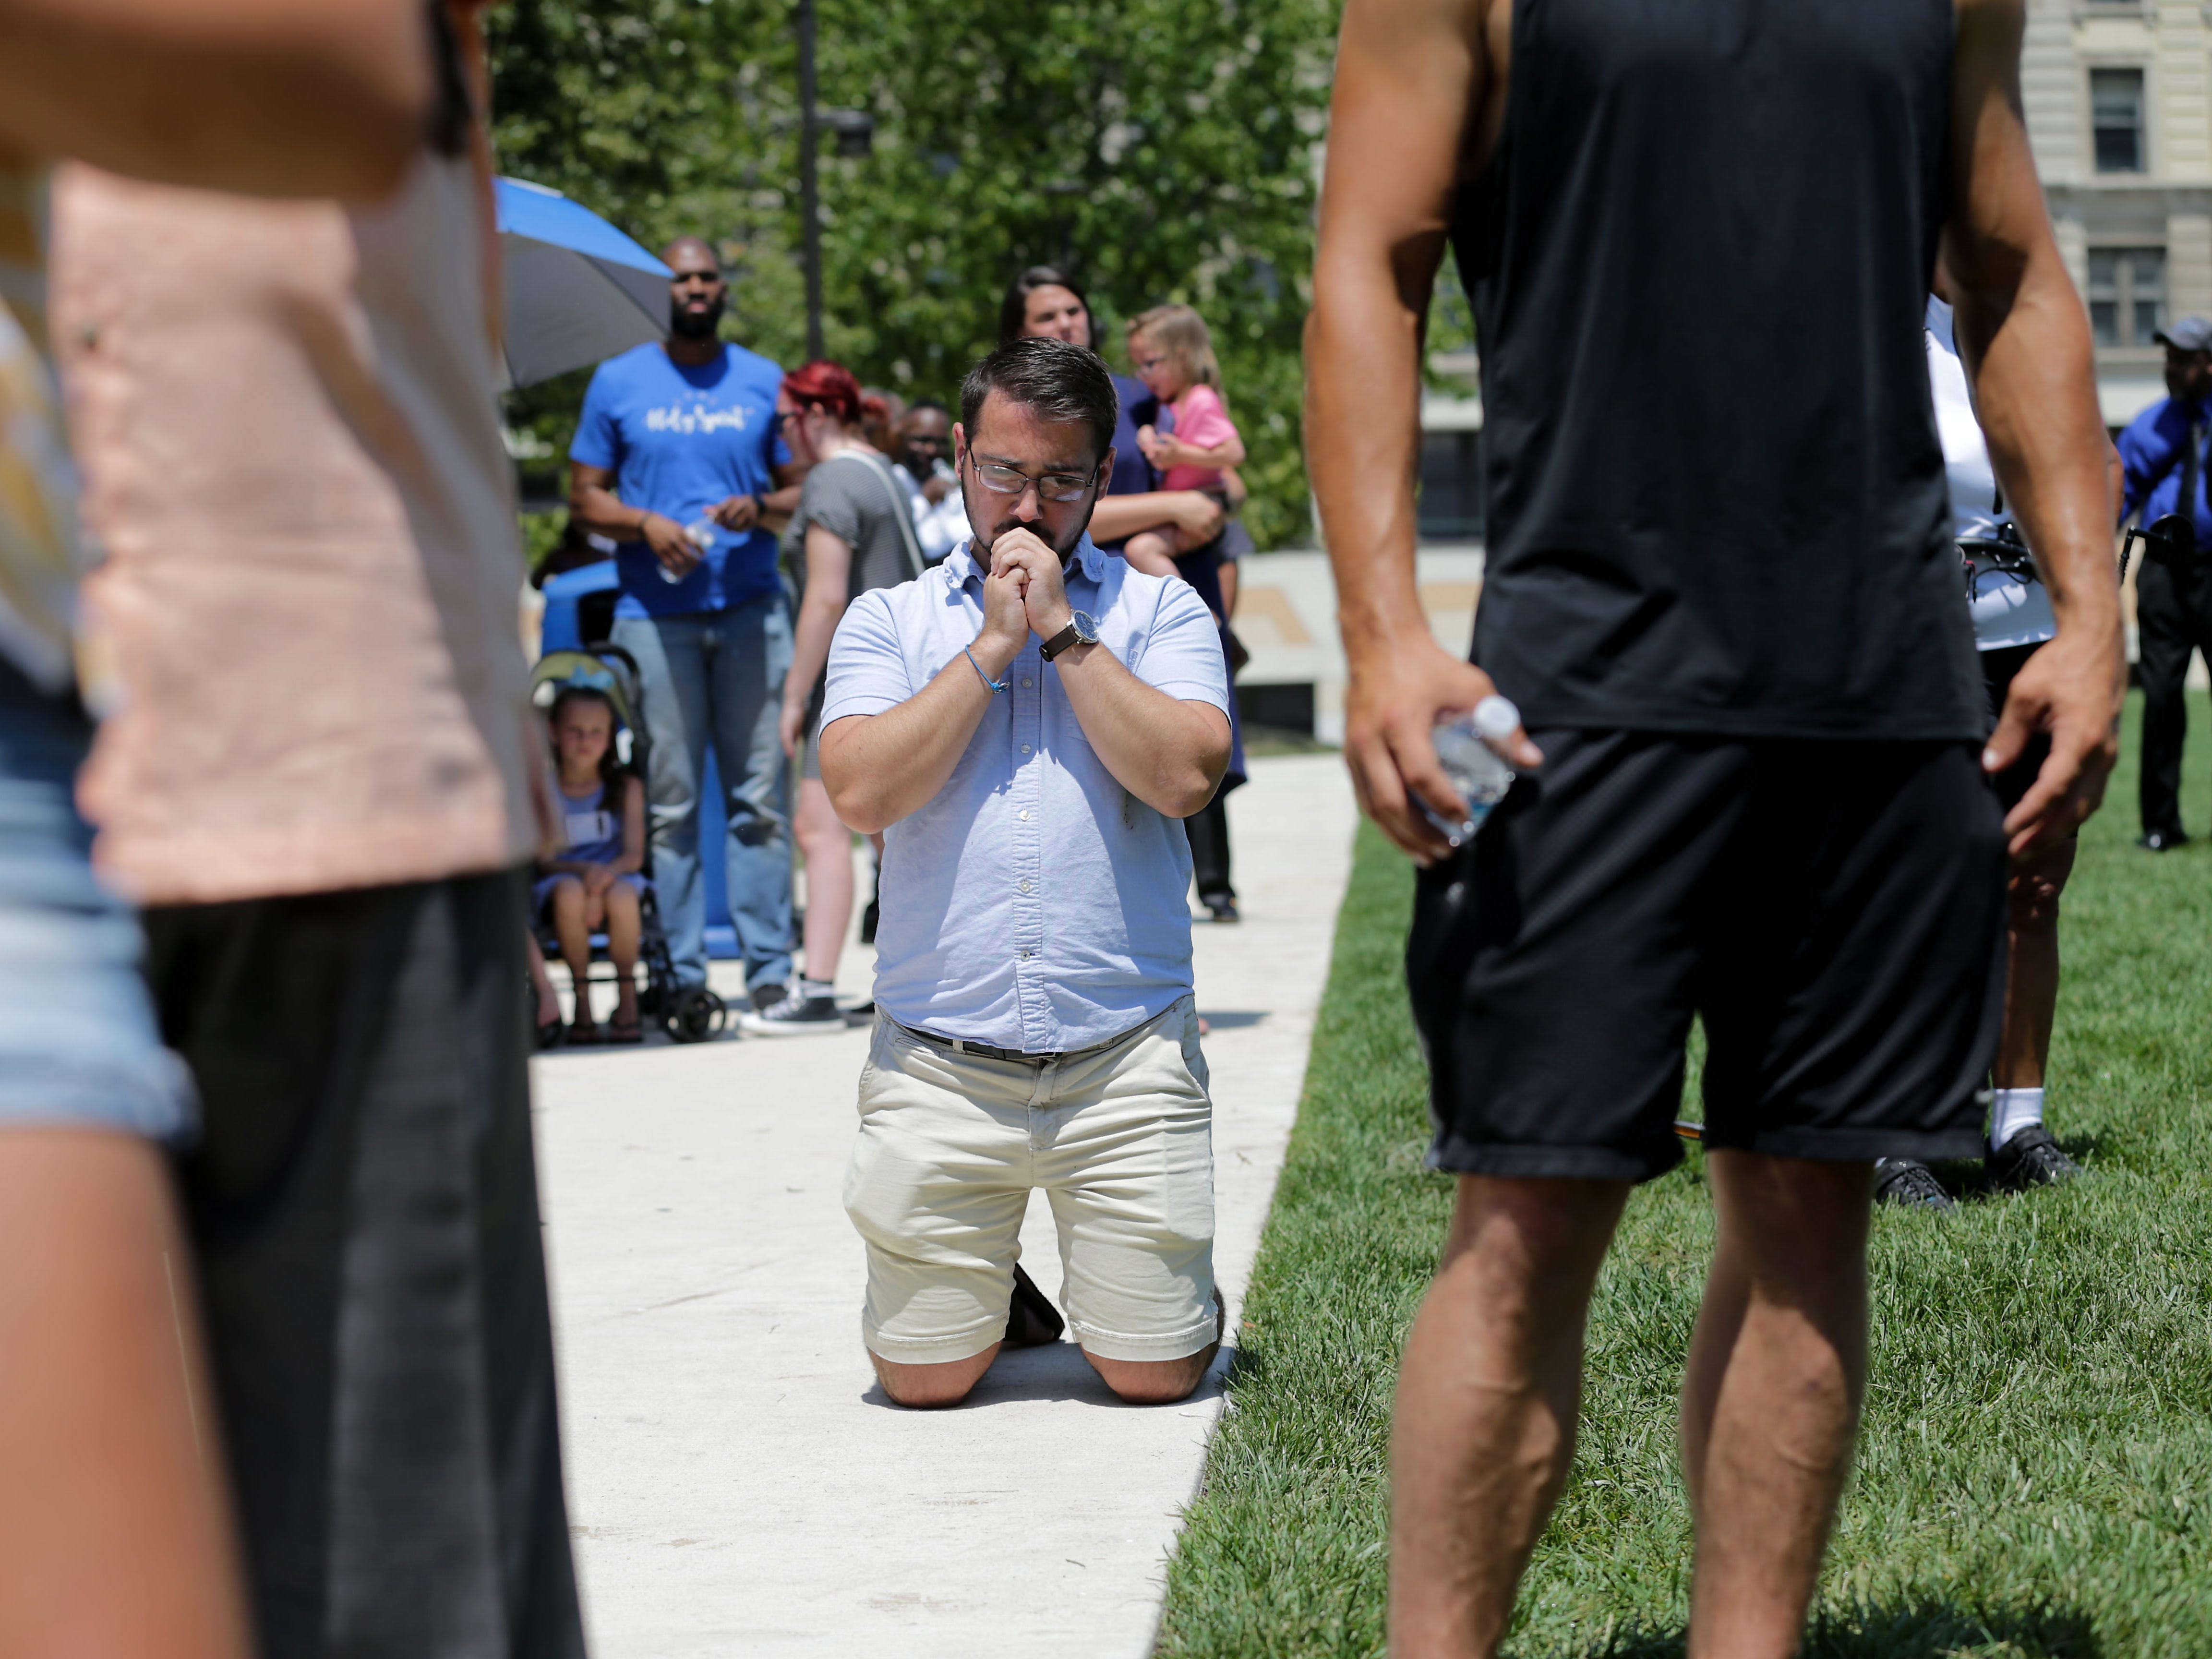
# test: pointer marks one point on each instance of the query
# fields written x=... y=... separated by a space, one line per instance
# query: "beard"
x=700 y=326
x=1064 y=546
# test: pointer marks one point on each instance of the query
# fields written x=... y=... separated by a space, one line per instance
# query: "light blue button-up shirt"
x=1034 y=903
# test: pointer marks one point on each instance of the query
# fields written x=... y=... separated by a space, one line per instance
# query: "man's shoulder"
x=912 y=598
x=749 y=364
x=628 y=368
x=2151 y=422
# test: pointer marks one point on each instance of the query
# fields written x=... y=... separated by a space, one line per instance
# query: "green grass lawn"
x=2035 y=1473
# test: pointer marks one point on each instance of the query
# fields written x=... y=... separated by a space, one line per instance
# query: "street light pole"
x=810 y=199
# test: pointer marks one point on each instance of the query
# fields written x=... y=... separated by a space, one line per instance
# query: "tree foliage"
x=1167 y=151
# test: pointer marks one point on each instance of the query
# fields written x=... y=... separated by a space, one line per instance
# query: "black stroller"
x=689 y=1013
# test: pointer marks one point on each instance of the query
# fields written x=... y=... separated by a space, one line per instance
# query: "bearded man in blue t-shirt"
x=678 y=454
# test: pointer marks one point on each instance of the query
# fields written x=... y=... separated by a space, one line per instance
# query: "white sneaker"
x=797 y=1015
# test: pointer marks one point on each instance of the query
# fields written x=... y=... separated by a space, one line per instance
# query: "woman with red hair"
x=854 y=530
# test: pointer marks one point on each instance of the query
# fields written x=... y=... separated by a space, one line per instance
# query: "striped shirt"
x=37 y=533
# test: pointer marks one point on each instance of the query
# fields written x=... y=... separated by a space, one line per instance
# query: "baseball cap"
x=2190 y=334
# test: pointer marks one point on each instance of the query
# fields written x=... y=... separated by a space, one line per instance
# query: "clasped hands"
x=1023 y=594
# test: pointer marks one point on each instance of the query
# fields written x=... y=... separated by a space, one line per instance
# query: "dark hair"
x=1014 y=309
x=612 y=772
x=826 y=386
x=1057 y=381
x=923 y=404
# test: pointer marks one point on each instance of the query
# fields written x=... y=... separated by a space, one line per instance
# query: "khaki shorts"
x=1121 y=1139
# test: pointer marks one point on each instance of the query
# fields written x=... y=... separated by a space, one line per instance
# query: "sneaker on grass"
x=1909 y=1181
x=800 y=1014
x=2030 y=1158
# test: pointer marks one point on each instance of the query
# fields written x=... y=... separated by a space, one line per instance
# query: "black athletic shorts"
x=1998 y=667
x=1835 y=912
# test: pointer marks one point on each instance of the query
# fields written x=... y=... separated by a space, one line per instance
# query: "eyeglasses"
x=1050 y=486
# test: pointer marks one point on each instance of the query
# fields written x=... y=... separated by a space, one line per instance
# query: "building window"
x=2116 y=117
x=2127 y=294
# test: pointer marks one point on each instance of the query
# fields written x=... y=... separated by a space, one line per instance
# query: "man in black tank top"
x=1697 y=238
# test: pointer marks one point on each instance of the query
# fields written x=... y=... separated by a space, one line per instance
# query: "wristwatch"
x=1082 y=630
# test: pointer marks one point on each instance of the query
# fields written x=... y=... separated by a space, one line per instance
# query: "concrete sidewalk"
x=738 y=1484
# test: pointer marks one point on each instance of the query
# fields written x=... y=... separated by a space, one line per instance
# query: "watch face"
x=1086 y=626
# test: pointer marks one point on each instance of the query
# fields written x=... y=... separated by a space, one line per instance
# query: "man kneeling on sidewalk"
x=1026 y=722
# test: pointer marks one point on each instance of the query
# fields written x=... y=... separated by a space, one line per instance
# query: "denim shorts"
x=78 y=1044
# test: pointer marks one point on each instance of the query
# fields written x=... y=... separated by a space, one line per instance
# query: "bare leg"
x=926 y=1387
x=1161 y=1382
x=827 y=847
x=1150 y=552
x=625 y=927
x=1770 y=1407
x=1486 y=1401
x=2031 y=969
x=115 y=1532
x=549 y=1000
x=572 y=924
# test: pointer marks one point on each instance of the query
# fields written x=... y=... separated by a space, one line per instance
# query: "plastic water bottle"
x=1477 y=771
x=701 y=534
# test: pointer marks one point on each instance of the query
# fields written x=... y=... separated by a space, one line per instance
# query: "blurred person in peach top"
x=114 y=1531
x=319 y=777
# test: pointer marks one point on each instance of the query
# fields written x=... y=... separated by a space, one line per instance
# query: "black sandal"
x=585 y=1034
x=1031 y=1321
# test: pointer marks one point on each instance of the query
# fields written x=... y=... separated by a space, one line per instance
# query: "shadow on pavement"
x=1057 y=1370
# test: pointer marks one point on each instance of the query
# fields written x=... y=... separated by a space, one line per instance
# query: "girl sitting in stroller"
x=595 y=885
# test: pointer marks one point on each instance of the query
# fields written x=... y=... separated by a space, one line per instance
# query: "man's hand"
x=1392 y=708
x=1044 y=590
x=670 y=543
x=738 y=512
x=2072 y=689
x=1006 y=618
x=934 y=489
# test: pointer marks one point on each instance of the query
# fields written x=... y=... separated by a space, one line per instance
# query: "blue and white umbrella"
x=578 y=290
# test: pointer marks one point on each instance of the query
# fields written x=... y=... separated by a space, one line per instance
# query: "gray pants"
x=364 y=1209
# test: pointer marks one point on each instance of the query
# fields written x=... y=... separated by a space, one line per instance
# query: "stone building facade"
x=2119 y=95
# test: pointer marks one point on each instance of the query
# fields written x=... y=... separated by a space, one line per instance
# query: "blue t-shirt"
x=679 y=440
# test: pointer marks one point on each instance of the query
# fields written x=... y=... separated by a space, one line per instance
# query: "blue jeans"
x=77 y=1041
x=717 y=677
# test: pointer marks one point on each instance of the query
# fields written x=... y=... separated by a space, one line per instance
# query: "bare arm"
x=880 y=767
x=1119 y=516
x=1419 y=85
x=1169 y=753
x=1171 y=451
x=268 y=97
x=828 y=583
x=2025 y=342
x=633 y=855
x=780 y=504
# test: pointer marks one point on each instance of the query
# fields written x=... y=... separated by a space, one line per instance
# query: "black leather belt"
x=991 y=1051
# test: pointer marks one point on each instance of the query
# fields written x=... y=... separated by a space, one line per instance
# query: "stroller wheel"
x=696 y=1014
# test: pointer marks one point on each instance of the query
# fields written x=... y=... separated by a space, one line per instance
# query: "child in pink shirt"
x=1173 y=355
